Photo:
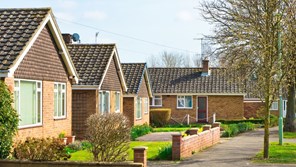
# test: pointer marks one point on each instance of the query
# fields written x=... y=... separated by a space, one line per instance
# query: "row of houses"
x=57 y=84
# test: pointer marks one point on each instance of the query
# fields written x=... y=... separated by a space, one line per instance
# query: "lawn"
x=290 y=135
x=177 y=128
x=152 y=151
x=279 y=154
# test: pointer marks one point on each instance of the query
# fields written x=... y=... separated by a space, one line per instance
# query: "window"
x=28 y=102
x=117 y=101
x=156 y=101
x=104 y=97
x=274 y=106
x=59 y=100
x=139 y=108
x=146 y=106
x=184 y=102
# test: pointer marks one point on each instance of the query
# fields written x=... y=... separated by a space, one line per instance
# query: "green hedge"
x=140 y=130
x=160 y=116
x=234 y=129
x=254 y=121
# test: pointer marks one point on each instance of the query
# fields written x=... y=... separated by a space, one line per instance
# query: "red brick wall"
x=183 y=147
x=111 y=80
x=84 y=104
x=255 y=109
x=43 y=61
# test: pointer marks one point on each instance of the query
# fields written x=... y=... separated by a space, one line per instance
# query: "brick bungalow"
x=36 y=66
x=101 y=85
x=199 y=92
x=136 y=99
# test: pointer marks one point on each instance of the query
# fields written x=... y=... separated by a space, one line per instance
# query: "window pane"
x=63 y=104
x=55 y=103
x=27 y=103
x=39 y=107
x=188 y=100
x=117 y=101
x=181 y=102
x=138 y=107
x=38 y=85
x=59 y=100
x=157 y=102
x=202 y=103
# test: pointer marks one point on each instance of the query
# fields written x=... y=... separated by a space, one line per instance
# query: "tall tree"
x=169 y=59
x=246 y=32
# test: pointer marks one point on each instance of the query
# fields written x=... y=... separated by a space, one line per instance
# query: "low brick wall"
x=184 y=147
x=11 y=163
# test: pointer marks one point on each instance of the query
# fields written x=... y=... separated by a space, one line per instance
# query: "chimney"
x=67 y=38
x=205 y=66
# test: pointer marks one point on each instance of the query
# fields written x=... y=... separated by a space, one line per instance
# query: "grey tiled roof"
x=90 y=61
x=134 y=75
x=17 y=26
x=190 y=80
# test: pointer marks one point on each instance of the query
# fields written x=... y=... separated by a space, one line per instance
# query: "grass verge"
x=290 y=135
x=279 y=154
x=152 y=152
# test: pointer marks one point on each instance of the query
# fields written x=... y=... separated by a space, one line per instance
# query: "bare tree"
x=169 y=59
x=247 y=34
x=153 y=61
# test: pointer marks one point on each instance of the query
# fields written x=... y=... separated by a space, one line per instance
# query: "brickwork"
x=253 y=109
x=43 y=61
x=84 y=104
x=140 y=155
x=111 y=80
x=128 y=110
x=183 y=147
x=143 y=90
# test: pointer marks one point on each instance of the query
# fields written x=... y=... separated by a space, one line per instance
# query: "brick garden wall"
x=184 y=147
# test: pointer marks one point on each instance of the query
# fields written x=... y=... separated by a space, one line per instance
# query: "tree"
x=109 y=135
x=246 y=32
x=169 y=59
x=8 y=121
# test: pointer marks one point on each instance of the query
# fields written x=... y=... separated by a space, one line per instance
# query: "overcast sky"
x=139 y=28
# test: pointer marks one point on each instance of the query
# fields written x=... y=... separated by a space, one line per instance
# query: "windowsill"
x=156 y=106
x=273 y=109
x=137 y=119
x=185 y=108
x=118 y=111
x=30 y=126
x=59 y=118
x=146 y=113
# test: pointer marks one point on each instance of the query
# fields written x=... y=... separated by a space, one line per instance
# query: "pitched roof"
x=17 y=26
x=190 y=80
x=134 y=75
x=92 y=61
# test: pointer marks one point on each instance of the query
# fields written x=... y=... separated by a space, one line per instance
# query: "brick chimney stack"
x=67 y=38
x=205 y=66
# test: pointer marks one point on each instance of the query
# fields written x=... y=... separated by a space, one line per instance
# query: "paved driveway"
x=232 y=152
x=158 y=136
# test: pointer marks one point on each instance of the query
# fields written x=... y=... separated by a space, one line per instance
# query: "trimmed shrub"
x=140 y=130
x=109 y=135
x=160 y=116
x=8 y=121
x=231 y=130
x=254 y=121
x=44 y=149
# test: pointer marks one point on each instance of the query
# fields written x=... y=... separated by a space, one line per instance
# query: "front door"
x=202 y=109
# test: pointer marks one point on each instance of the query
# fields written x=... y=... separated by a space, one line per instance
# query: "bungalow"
x=101 y=85
x=197 y=93
x=36 y=66
x=136 y=99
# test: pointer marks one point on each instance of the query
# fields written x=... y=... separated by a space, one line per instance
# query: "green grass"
x=279 y=154
x=290 y=135
x=152 y=151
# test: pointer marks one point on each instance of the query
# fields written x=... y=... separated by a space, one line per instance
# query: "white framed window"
x=274 y=106
x=60 y=100
x=104 y=102
x=117 y=102
x=156 y=101
x=146 y=106
x=28 y=102
x=139 y=108
x=184 y=101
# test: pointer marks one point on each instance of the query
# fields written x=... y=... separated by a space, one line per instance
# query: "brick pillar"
x=176 y=146
x=206 y=127
x=140 y=155
x=193 y=131
x=216 y=124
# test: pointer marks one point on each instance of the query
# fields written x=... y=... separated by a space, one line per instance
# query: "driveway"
x=231 y=152
x=158 y=136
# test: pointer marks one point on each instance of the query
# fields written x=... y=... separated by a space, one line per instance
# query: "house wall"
x=255 y=109
x=84 y=104
x=143 y=92
x=43 y=63
x=129 y=108
x=225 y=107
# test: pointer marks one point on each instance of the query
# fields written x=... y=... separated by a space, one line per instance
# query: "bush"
x=254 y=121
x=73 y=147
x=274 y=120
x=109 y=135
x=8 y=120
x=140 y=130
x=35 y=149
x=86 y=145
x=234 y=129
x=160 y=117
x=165 y=153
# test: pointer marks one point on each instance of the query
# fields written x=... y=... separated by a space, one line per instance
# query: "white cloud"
x=185 y=16
x=95 y=15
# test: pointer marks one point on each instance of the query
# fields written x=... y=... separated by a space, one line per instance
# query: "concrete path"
x=158 y=136
x=231 y=152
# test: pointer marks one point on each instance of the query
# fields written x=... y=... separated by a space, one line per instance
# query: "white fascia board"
x=85 y=87
x=202 y=94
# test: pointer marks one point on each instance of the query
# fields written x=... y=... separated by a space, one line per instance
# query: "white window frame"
x=183 y=97
x=19 y=100
x=153 y=101
x=65 y=100
x=146 y=105
x=101 y=91
x=138 y=118
x=118 y=110
x=274 y=105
